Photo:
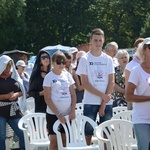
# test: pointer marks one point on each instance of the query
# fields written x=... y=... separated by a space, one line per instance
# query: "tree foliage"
x=33 y=24
x=145 y=31
x=12 y=23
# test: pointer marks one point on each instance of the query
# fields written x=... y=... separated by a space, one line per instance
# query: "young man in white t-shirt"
x=97 y=75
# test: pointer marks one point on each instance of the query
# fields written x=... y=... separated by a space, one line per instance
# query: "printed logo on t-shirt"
x=96 y=63
x=98 y=73
x=62 y=87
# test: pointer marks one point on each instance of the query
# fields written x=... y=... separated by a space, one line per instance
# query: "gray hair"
x=121 y=52
x=110 y=45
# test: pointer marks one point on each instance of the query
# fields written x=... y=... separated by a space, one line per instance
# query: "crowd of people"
x=100 y=79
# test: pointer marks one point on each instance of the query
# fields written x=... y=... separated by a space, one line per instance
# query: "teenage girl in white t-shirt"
x=59 y=95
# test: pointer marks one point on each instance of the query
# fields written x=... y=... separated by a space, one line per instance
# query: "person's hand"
x=72 y=115
x=106 y=97
x=62 y=118
x=102 y=109
x=14 y=96
x=41 y=93
x=9 y=95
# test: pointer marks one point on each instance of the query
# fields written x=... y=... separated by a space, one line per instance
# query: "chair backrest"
x=119 y=109
x=117 y=132
x=126 y=115
x=74 y=131
x=79 y=109
x=30 y=103
x=34 y=128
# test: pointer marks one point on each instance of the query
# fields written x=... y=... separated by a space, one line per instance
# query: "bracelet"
x=58 y=114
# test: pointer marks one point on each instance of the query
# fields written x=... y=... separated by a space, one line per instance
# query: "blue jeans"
x=14 y=125
x=91 y=112
x=142 y=132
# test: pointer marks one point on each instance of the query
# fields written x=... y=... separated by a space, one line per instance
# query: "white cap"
x=21 y=63
x=146 y=41
x=73 y=49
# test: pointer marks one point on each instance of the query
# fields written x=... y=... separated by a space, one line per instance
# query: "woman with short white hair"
x=119 y=88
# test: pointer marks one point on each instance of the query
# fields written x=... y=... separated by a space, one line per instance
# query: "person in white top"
x=59 y=95
x=138 y=92
x=29 y=66
x=97 y=76
x=134 y=62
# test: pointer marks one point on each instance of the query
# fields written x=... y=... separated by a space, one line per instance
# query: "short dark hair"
x=68 y=55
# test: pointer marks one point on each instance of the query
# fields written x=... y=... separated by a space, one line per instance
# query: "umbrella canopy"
x=52 y=49
x=15 y=54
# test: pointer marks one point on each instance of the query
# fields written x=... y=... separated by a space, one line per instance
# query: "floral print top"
x=120 y=81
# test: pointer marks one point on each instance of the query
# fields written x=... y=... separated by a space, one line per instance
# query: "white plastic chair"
x=79 y=111
x=74 y=131
x=35 y=131
x=117 y=132
x=79 y=108
x=119 y=109
x=127 y=115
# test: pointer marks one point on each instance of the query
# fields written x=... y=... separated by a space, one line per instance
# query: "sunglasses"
x=60 y=62
x=43 y=57
x=148 y=46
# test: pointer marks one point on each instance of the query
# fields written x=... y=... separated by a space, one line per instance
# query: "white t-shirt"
x=29 y=68
x=141 y=110
x=97 y=69
x=60 y=93
x=131 y=65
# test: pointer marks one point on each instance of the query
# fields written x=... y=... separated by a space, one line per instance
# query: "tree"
x=12 y=23
x=145 y=31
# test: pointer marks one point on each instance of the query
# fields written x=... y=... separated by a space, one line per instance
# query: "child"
x=59 y=95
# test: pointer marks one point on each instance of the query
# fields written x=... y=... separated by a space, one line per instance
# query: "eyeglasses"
x=43 y=57
x=60 y=62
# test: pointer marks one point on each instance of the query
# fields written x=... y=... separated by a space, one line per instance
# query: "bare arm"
x=127 y=74
x=108 y=91
x=77 y=82
x=10 y=96
x=47 y=97
x=73 y=102
x=131 y=97
x=111 y=82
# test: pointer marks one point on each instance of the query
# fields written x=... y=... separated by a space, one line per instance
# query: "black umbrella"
x=15 y=54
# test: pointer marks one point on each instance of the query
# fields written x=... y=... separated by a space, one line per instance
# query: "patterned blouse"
x=120 y=81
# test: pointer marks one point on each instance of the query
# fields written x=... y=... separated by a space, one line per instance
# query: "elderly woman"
x=138 y=92
x=11 y=88
x=119 y=89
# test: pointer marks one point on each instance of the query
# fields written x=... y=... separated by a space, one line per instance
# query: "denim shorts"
x=91 y=112
x=142 y=132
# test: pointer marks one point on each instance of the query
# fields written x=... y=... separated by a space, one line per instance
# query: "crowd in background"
x=100 y=79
